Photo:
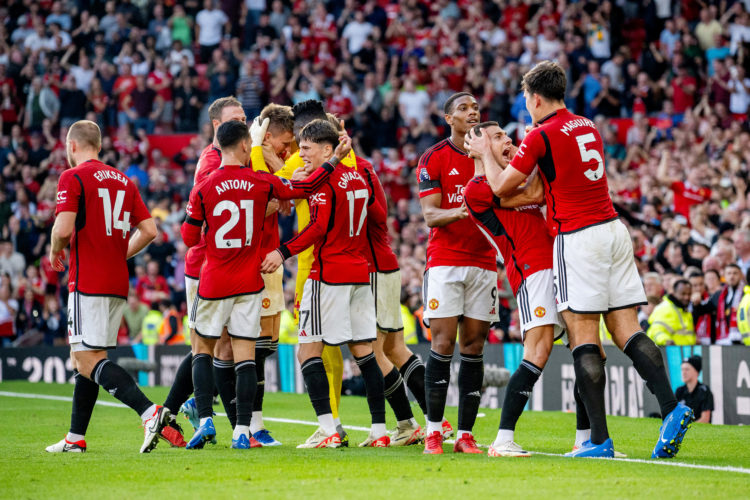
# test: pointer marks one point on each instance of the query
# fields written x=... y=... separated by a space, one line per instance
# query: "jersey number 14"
x=112 y=214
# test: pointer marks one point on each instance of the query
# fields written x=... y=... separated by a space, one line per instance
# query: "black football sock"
x=413 y=373
x=517 y=393
x=437 y=375
x=273 y=346
x=85 y=394
x=649 y=364
x=317 y=385
x=395 y=393
x=203 y=381
x=374 y=386
x=182 y=386
x=121 y=385
x=470 y=376
x=262 y=351
x=225 y=379
x=592 y=379
x=582 y=418
x=246 y=386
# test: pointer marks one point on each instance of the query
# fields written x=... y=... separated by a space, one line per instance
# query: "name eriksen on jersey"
x=581 y=122
x=233 y=184
x=101 y=175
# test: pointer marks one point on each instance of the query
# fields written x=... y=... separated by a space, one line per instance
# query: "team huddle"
x=482 y=198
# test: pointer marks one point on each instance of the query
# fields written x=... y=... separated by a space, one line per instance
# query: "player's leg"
x=333 y=362
x=480 y=308
x=411 y=367
x=224 y=376
x=262 y=350
x=246 y=384
x=312 y=318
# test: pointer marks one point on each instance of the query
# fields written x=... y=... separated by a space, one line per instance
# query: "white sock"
x=337 y=421
x=74 y=438
x=378 y=430
x=148 y=413
x=503 y=436
x=240 y=430
x=582 y=435
x=434 y=427
x=327 y=423
x=204 y=420
x=463 y=433
x=256 y=423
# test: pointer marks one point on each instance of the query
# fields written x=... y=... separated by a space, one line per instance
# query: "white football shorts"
x=93 y=321
x=336 y=314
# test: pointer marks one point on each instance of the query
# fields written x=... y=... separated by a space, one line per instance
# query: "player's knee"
x=443 y=344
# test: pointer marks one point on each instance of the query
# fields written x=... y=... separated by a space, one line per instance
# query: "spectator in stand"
x=695 y=394
x=152 y=287
x=671 y=323
x=210 y=24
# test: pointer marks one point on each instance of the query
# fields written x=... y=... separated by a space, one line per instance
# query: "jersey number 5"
x=351 y=196
x=113 y=214
x=590 y=154
x=234 y=218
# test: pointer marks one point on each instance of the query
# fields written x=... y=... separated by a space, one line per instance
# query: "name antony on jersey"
x=234 y=184
x=110 y=174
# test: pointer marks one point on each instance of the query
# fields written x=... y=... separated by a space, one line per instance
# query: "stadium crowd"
x=665 y=82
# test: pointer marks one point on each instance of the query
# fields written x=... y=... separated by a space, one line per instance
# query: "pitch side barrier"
x=726 y=370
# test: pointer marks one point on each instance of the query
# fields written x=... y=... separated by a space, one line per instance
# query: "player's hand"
x=476 y=144
x=462 y=212
x=272 y=262
x=57 y=260
x=272 y=207
x=258 y=131
x=344 y=147
x=285 y=207
x=273 y=161
x=300 y=174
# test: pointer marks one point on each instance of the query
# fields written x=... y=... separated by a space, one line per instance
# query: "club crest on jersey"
x=266 y=303
x=317 y=199
x=434 y=304
x=539 y=312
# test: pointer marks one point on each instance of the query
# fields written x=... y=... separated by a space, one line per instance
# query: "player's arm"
x=312 y=234
x=504 y=181
x=662 y=177
x=191 y=228
x=62 y=232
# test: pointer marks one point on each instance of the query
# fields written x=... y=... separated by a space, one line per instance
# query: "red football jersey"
x=570 y=155
x=107 y=205
x=445 y=169
x=232 y=202
x=378 y=250
x=519 y=235
x=338 y=212
x=209 y=160
x=686 y=195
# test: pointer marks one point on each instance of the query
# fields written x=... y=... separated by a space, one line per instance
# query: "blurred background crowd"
x=666 y=82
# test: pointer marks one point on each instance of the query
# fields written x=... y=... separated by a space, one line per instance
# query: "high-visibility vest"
x=164 y=329
x=150 y=328
x=410 y=326
x=604 y=336
x=743 y=316
x=186 y=329
x=669 y=322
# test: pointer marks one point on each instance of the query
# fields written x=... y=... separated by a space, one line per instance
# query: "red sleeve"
x=678 y=187
x=191 y=228
x=531 y=150
x=285 y=189
x=320 y=214
x=140 y=211
x=68 y=193
x=478 y=196
x=428 y=174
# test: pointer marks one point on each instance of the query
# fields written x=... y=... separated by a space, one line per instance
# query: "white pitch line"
x=717 y=468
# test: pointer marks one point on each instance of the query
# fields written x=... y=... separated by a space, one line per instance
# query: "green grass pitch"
x=113 y=468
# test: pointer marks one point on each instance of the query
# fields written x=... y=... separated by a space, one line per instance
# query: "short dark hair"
x=320 y=132
x=732 y=264
x=448 y=106
x=718 y=276
x=307 y=111
x=281 y=118
x=214 y=110
x=680 y=282
x=231 y=133
x=546 y=79
x=484 y=125
x=696 y=274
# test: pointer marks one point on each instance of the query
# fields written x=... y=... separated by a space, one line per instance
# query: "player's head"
x=335 y=121
x=305 y=112
x=544 y=88
x=225 y=109
x=234 y=139
x=84 y=138
x=318 y=140
x=280 y=133
x=461 y=112
x=500 y=143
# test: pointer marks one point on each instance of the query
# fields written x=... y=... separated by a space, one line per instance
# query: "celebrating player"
x=337 y=306
x=230 y=285
x=96 y=208
x=594 y=268
x=519 y=235
x=460 y=279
